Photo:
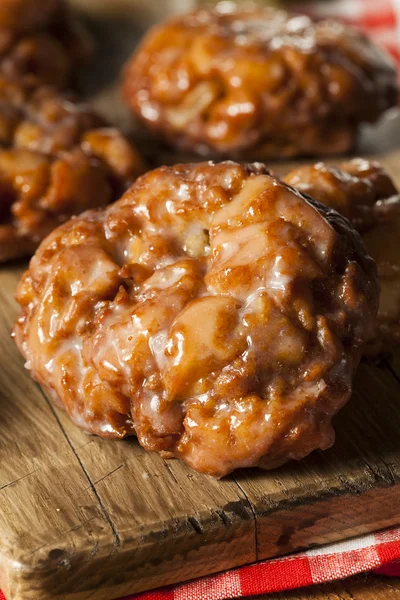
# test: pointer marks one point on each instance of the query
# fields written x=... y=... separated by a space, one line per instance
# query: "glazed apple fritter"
x=257 y=84
x=363 y=192
x=213 y=311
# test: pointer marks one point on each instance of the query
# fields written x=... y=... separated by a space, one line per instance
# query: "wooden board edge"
x=290 y=540
x=122 y=569
x=25 y=576
x=317 y=522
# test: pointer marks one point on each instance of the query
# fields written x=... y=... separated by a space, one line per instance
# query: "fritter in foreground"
x=213 y=311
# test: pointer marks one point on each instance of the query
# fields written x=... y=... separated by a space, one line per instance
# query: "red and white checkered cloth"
x=376 y=551
x=379 y=551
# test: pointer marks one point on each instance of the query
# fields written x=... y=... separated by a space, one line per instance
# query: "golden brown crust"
x=49 y=122
x=257 y=84
x=363 y=192
x=44 y=191
x=119 y=154
x=213 y=311
x=60 y=159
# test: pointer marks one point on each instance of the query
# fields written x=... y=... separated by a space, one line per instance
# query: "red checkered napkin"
x=376 y=551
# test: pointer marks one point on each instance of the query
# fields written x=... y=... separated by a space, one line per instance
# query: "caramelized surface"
x=57 y=157
x=59 y=160
x=213 y=311
x=364 y=193
x=257 y=84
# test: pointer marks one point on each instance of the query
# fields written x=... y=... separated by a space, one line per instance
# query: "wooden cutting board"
x=84 y=518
